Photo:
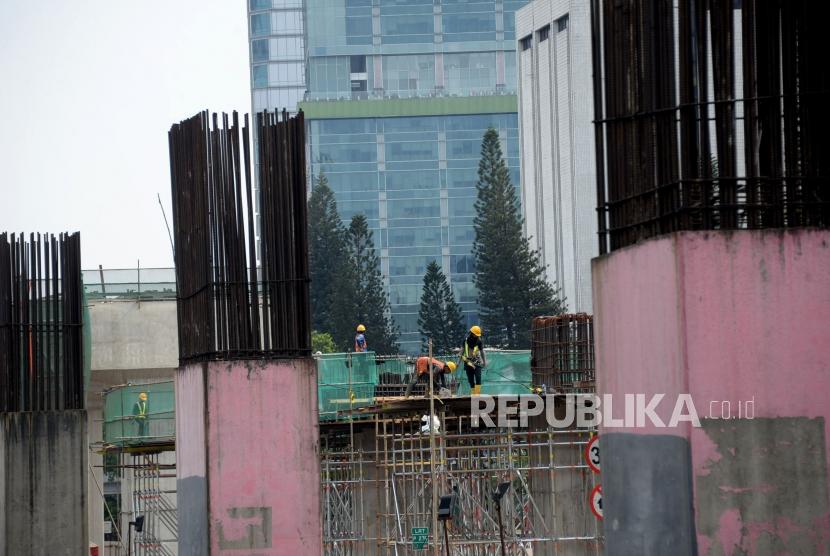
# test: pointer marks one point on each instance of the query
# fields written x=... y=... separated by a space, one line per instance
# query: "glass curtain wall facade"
x=276 y=33
x=400 y=94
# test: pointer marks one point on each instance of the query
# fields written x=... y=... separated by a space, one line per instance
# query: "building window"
x=544 y=33
x=260 y=5
x=259 y=50
x=526 y=42
x=358 y=64
x=469 y=72
x=260 y=76
x=562 y=22
x=260 y=25
x=405 y=29
x=404 y=74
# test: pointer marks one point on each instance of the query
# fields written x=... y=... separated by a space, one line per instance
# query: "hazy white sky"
x=88 y=91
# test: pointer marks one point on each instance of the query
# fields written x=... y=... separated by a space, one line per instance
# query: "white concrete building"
x=558 y=168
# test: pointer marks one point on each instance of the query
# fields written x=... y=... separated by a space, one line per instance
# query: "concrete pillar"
x=95 y=480
x=248 y=458
x=43 y=483
x=738 y=322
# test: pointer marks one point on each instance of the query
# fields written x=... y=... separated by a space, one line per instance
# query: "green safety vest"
x=466 y=355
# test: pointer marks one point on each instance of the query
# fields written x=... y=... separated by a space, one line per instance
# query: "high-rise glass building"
x=399 y=94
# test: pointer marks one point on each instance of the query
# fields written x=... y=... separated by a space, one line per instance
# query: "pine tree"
x=509 y=276
x=371 y=302
x=327 y=257
x=440 y=317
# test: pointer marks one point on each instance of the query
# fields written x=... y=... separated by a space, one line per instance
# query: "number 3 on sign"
x=592 y=454
x=595 y=500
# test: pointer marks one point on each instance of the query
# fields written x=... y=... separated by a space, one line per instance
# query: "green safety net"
x=123 y=424
x=345 y=381
x=507 y=372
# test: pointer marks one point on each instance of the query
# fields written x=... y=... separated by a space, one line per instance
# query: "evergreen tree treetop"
x=440 y=317
x=509 y=276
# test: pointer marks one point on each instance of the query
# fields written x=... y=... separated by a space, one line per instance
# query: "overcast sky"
x=88 y=91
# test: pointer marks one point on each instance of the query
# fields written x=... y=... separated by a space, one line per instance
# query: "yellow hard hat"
x=361 y=328
x=476 y=329
x=451 y=366
x=143 y=396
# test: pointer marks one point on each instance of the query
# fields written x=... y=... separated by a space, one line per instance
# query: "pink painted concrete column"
x=262 y=456
x=740 y=321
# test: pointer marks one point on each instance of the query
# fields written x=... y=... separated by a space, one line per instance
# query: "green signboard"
x=420 y=536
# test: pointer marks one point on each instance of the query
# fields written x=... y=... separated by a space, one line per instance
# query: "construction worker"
x=360 y=344
x=140 y=413
x=439 y=370
x=472 y=355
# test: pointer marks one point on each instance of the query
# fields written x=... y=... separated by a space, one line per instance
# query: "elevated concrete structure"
x=131 y=342
x=43 y=474
x=739 y=321
x=248 y=458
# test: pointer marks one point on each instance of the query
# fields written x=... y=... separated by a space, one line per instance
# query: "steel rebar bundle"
x=227 y=307
x=41 y=317
x=710 y=114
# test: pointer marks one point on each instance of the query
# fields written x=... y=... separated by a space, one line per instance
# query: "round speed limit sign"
x=595 y=500
x=592 y=454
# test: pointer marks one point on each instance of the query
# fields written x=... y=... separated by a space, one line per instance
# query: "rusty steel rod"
x=41 y=323
x=709 y=114
x=226 y=309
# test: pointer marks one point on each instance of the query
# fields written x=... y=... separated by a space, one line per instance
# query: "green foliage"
x=371 y=304
x=326 y=253
x=440 y=317
x=511 y=283
x=322 y=342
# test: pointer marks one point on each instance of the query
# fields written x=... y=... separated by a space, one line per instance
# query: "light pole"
x=497 y=496
x=139 y=527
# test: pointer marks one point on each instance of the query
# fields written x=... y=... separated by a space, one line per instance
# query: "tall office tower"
x=557 y=136
x=277 y=54
x=400 y=94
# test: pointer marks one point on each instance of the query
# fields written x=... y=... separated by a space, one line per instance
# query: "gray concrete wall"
x=131 y=342
x=649 y=478
x=43 y=483
x=131 y=335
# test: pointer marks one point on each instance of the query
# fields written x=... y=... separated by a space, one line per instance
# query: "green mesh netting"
x=507 y=372
x=123 y=425
x=335 y=373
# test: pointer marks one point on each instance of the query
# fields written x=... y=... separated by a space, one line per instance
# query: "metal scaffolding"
x=378 y=478
x=148 y=490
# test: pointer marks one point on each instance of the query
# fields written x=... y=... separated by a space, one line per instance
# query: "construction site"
x=183 y=411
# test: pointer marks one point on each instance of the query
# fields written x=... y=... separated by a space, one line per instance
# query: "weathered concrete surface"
x=95 y=470
x=43 y=488
x=191 y=468
x=729 y=318
x=655 y=469
x=260 y=456
x=128 y=335
x=776 y=503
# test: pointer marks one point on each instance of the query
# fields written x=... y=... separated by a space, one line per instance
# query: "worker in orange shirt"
x=439 y=372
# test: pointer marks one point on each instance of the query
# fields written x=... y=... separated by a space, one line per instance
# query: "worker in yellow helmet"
x=360 y=344
x=439 y=370
x=140 y=413
x=472 y=355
